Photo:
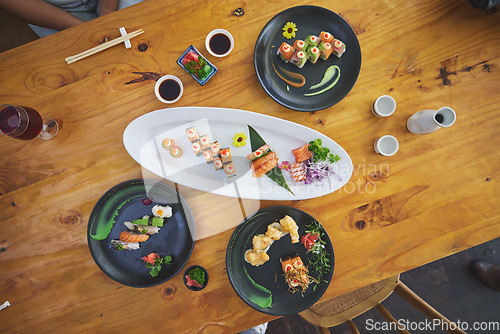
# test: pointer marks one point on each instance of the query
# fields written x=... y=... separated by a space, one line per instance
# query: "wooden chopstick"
x=103 y=46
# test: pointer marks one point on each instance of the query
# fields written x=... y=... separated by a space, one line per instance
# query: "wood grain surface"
x=436 y=196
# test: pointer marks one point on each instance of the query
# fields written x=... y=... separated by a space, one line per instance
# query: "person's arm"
x=107 y=6
x=40 y=13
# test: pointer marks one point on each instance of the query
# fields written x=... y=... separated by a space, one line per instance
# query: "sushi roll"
x=207 y=154
x=338 y=48
x=192 y=134
x=205 y=142
x=326 y=37
x=122 y=245
x=300 y=45
x=217 y=163
x=299 y=59
x=175 y=152
x=285 y=52
x=312 y=40
x=161 y=211
x=141 y=228
x=258 y=152
x=196 y=146
x=225 y=155
x=229 y=169
x=313 y=54
x=215 y=147
x=168 y=143
x=128 y=236
x=326 y=50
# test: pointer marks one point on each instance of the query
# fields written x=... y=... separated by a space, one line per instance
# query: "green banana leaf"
x=274 y=174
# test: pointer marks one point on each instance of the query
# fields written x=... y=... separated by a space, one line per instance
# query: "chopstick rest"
x=127 y=43
x=104 y=46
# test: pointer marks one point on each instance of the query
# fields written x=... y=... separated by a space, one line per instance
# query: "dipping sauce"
x=169 y=89
x=219 y=44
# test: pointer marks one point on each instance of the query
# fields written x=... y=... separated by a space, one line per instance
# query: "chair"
x=348 y=306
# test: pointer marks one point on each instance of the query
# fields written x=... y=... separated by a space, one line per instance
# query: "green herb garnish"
x=200 y=68
x=155 y=268
x=320 y=260
x=198 y=275
x=322 y=153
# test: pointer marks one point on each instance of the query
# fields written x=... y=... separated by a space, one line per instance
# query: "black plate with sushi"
x=311 y=96
x=264 y=287
x=133 y=211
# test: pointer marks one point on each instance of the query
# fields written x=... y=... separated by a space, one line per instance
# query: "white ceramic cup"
x=386 y=145
x=384 y=106
x=219 y=31
x=161 y=80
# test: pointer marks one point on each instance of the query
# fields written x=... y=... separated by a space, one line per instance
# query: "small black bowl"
x=193 y=287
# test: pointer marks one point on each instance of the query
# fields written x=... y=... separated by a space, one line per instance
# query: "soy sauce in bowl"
x=168 y=89
x=219 y=44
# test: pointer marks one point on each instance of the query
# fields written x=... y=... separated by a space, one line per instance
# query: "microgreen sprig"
x=322 y=153
x=155 y=268
x=319 y=261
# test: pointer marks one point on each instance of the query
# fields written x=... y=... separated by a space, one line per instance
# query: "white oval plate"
x=143 y=137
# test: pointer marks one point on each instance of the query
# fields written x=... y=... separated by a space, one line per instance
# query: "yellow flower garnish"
x=239 y=139
x=289 y=30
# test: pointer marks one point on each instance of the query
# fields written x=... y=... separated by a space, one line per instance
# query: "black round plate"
x=310 y=20
x=246 y=278
x=124 y=202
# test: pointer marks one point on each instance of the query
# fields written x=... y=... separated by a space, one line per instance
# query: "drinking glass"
x=26 y=123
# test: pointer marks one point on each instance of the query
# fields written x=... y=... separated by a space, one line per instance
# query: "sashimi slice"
x=266 y=167
x=133 y=237
x=256 y=164
x=302 y=153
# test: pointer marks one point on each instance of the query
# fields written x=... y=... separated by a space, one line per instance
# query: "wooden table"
x=435 y=197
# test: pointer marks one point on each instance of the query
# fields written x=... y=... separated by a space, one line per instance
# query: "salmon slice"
x=297 y=172
x=302 y=153
x=266 y=167
x=133 y=237
x=256 y=164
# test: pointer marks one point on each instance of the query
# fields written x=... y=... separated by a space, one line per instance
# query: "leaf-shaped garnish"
x=274 y=174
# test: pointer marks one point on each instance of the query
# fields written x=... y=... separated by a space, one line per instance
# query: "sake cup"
x=386 y=145
x=384 y=106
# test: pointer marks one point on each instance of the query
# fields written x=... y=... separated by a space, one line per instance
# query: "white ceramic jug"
x=427 y=121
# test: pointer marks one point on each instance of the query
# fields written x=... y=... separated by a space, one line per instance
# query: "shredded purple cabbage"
x=318 y=171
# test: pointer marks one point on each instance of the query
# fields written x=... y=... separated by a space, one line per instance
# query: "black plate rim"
x=185 y=205
x=311 y=109
x=269 y=310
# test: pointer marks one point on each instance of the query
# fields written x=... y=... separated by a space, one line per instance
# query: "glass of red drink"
x=26 y=123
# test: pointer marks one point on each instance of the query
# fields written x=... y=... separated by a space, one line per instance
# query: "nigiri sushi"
x=148 y=220
x=326 y=37
x=133 y=237
x=122 y=245
x=258 y=152
x=338 y=48
x=296 y=274
x=313 y=54
x=312 y=40
x=285 y=51
x=300 y=45
x=162 y=211
x=326 y=50
x=299 y=59
x=141 y=228
x=302 y=153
